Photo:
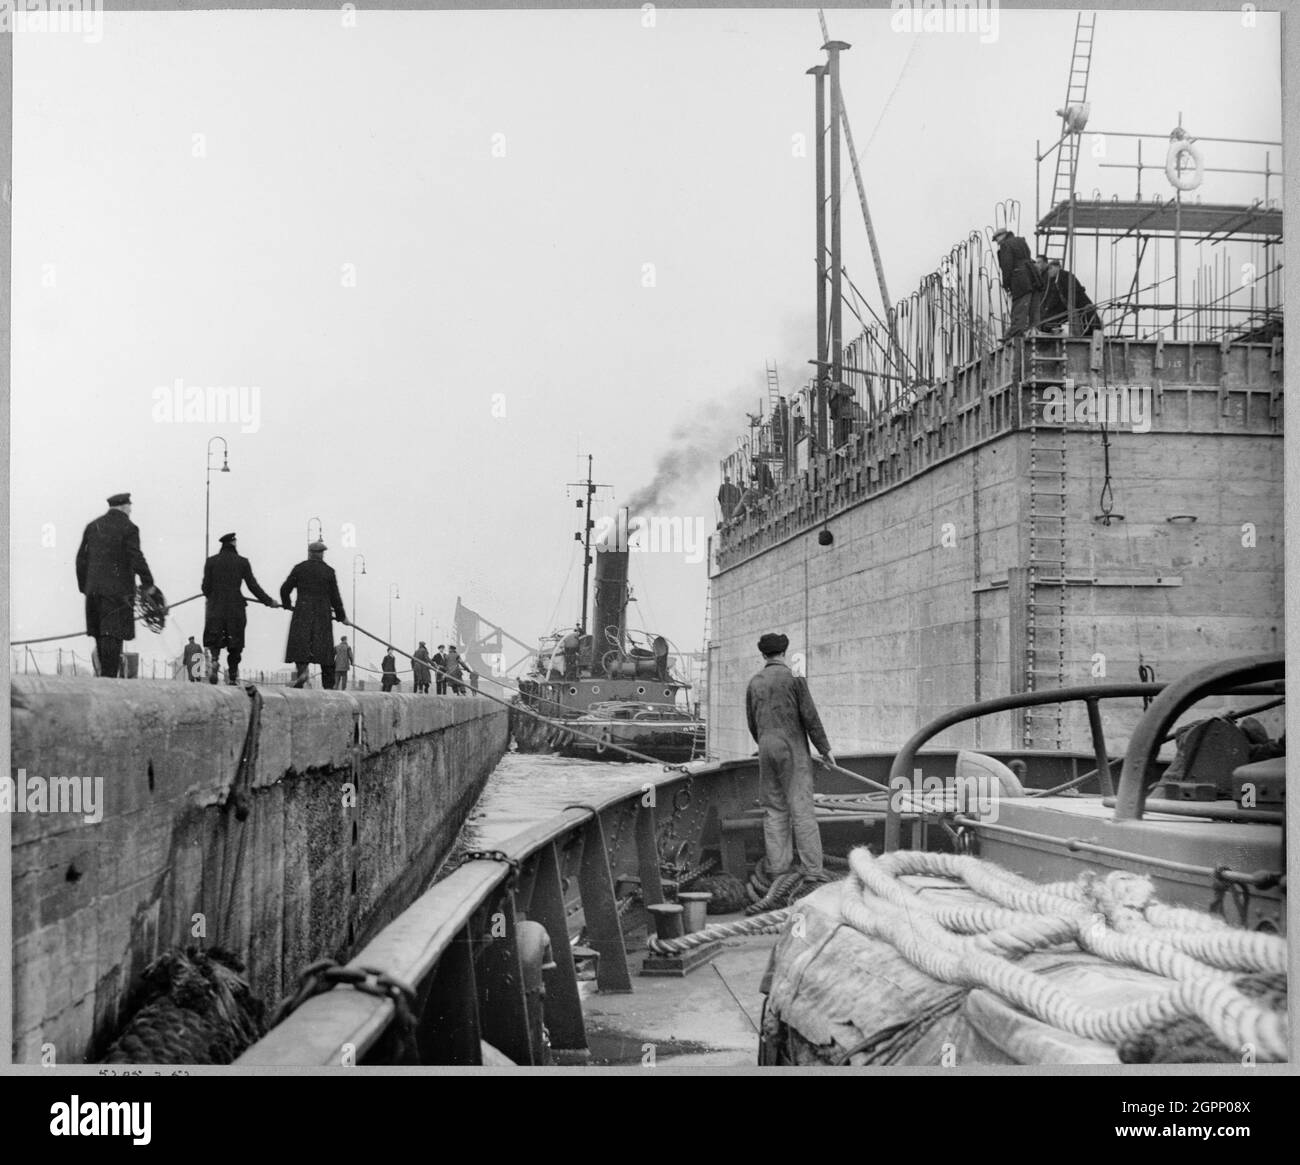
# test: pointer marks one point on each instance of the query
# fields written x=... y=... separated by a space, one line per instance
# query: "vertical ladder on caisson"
x=1045 y=624
x=773 y=389
x=1067 y=157
x=708 y=645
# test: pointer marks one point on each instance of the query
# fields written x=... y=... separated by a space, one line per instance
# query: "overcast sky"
x=424 y=240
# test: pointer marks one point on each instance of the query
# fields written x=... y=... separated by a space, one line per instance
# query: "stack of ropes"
x=194 y=1007
x=768 y=893
x=1226 y=983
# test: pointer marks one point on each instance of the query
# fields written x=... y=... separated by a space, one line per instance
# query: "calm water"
x=528 y=788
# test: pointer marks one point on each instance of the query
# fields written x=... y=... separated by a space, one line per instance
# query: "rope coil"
x=1114 y=918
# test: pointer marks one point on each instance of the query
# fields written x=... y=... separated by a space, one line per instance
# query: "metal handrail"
x=1177 y=697
x=1253 y=675
x=1090 y=694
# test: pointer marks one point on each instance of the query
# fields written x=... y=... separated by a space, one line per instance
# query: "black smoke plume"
x=698 y=443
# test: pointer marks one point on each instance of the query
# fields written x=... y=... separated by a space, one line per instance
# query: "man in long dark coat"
x=454 y=671
x=439 y=662
x=388 y=668
x=420 y=669
x=311 y=638
x=1020 y=280
x=1061 y=287
x=108 y=560
x=225 y=619
x=192 y=661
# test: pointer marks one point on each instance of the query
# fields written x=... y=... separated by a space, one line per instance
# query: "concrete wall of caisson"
x=917 y=607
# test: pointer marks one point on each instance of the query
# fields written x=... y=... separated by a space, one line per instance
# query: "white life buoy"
x=1184 y=179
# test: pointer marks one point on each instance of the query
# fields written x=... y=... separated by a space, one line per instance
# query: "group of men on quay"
x=109 y=560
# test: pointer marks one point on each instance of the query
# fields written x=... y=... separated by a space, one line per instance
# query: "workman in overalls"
x=782 y=718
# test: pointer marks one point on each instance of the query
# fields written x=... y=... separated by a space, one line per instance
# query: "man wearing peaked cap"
x=782 y=717
x=225 y=618
x=311 y=638
x=108 y=561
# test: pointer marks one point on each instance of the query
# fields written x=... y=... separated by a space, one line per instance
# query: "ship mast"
x=585 y=538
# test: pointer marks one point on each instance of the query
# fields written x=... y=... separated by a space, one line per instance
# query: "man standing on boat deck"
x=311 y=638
x=225 y=619
x=782 y=717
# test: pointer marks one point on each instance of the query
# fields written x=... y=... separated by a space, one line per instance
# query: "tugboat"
x=607 y=692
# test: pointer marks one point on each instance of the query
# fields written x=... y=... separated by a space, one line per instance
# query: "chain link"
x=325 y=974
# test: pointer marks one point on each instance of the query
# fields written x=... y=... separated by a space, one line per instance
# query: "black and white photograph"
x=647 y=540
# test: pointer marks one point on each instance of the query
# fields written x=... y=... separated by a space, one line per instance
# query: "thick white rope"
x=769 y=923
x=1114 y=918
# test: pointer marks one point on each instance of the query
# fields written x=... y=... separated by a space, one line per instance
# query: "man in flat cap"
x=782 y=717
x=225 y=618
x=439 y=662
x=311 y=638
x=108 y=561
x=388 y=669
x=1020 y=279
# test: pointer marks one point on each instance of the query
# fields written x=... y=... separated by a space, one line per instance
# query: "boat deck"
x=708 y=1019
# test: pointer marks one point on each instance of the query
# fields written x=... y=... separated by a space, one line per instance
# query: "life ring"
x=1184 y=180
x=603 y=743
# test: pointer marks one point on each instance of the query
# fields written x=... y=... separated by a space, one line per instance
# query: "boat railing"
x=1247 y=676
x=461 y=945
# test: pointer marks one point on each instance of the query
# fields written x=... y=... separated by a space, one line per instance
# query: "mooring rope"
x=1114 y=918
x=79 y=634
x=769 y=923
x=681 y=768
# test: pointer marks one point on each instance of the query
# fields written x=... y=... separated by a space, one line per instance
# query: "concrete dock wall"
x=352 y=801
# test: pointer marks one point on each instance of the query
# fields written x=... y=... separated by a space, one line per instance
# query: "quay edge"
x=312 y=872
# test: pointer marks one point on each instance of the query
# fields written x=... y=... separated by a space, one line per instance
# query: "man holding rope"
x=782 y=717
x=311 y=638
x=108 y=561
x=225 y=618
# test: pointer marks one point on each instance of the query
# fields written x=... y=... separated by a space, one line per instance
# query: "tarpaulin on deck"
x=854 y=999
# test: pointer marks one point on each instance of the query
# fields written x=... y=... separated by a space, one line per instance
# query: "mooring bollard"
x=696 y=906
x=668 y=919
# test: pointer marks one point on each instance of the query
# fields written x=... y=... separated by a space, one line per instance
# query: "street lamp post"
x=354 y=582
x=207 y=500
x=392 y=594
x=415 y=623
